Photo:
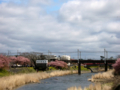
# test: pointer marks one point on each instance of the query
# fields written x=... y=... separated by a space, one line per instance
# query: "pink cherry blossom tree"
x=4 y=62
x=20 y=60
x=13 y=60
x=58 y=64
x=116 y=66
x=23 y=61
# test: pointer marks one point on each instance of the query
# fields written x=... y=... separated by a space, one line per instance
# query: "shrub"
x=116 y=66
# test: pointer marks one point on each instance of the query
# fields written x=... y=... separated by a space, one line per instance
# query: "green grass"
x=52 y=68
x=13 y=71
x=73 y=68
x=4 y=73
x=84 y=69
x=94 y=66
x=76 y=68
x=20 y=70
x=27 y=70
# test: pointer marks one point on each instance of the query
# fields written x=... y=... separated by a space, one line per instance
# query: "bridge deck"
x=89 y=61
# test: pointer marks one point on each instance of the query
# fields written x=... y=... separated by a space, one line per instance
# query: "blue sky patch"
x=14 y=1
x=56 y=5
x=4 y=1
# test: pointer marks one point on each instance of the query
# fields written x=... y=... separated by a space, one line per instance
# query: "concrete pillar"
x=79 y=68
x=106 y=66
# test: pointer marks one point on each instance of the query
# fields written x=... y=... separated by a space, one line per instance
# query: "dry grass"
x=11 y=82
x=102 y=76
x=97 y=86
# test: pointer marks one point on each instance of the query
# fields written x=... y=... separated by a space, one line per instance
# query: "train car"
x=41 y=64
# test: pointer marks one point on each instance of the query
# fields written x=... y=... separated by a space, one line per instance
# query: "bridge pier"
x=90 y=69
x=106 y=66
x=79 y=68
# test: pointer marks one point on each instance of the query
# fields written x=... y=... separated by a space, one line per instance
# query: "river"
x=59 y=83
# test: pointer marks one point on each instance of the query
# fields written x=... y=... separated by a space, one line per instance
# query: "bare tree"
x=33 y=56
x=118 y=56
x=102 y=57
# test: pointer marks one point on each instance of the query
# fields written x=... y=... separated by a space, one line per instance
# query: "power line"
x=67 y=52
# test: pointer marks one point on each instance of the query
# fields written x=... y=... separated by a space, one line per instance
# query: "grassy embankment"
x=19 y=76
x=13 y=71
x=13 y=81
x=20 y=70
x=103 y=81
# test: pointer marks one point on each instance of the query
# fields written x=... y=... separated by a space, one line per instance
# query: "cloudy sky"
x=59 y=25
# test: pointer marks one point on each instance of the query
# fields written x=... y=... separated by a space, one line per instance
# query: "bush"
x=116 y=66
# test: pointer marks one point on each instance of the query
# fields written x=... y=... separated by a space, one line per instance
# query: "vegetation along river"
x=60 y=83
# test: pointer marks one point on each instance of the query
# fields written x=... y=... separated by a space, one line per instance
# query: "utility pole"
x=48 y=55
x=79 y=64
x=80 y=55
x=104 y=56
x=8 y=52
x=17 y=52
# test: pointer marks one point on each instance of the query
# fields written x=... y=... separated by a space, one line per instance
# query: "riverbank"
x=13 y=81
x=102 y=81
x=23 y=76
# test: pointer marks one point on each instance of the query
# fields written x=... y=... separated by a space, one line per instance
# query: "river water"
x=60 y=83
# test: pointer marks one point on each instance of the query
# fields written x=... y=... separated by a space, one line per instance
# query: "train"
x=97 y=64
x=41 y=64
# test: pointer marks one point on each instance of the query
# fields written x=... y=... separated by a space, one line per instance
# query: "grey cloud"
x=77 y=26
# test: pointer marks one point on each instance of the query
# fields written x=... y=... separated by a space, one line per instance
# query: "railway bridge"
x=91 y=63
